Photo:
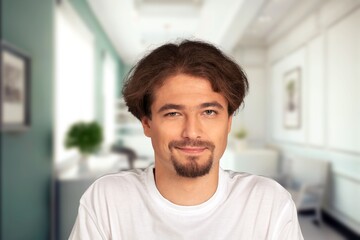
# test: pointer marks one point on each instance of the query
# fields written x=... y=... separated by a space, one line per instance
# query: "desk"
x=264 y=162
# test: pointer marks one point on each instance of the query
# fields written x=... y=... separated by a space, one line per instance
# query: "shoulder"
x=131 y=177
x=115 y=186
x=256 y=186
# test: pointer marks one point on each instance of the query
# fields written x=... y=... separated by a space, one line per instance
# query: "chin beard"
x=192 y=169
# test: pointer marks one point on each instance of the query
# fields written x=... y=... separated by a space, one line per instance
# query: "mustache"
x=191 y=143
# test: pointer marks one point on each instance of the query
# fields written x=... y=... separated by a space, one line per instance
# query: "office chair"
x=306 y=180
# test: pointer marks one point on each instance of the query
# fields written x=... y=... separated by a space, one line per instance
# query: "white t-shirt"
x=127 y=205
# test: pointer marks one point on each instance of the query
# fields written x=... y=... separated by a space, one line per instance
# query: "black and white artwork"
x=14 y=86
x=292 y=98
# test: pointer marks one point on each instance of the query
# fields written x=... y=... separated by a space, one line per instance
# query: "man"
x=185 y=96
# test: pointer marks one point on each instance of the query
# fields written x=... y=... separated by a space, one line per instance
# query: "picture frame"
x=292 y=98
x=14 y=89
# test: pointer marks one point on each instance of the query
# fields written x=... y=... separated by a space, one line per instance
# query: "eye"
x=210 y=112
x=172 y=114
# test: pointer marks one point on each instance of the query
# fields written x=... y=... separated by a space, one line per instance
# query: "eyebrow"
x=171 y=106
x=211 y=104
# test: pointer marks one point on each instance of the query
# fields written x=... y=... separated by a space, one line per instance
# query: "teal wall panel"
x=27 y=156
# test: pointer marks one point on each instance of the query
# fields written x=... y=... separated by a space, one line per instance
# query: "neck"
x=186 y=191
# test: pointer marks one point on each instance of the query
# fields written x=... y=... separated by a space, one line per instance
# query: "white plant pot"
x=241 y=144
x=83 y=164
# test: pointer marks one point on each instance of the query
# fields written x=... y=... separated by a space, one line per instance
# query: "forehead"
x=186 y=89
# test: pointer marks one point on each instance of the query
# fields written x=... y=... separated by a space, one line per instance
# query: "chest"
x=144 y=219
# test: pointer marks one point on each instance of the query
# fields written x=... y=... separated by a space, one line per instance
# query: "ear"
x=146 y=123
x=229 y=123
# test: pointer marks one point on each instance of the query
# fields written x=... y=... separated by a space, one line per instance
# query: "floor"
x=311 y=231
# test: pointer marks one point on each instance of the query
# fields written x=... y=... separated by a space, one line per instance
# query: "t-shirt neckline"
x=204 y=207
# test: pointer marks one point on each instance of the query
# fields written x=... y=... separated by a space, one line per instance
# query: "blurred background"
x=67 y=60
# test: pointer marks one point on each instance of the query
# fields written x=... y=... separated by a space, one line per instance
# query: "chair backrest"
x=306 y=170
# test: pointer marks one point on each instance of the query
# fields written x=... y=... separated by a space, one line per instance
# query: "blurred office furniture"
x=72 y=183
x=258 y=161
x=131 y=135
x=306 y=180
x=128 y=152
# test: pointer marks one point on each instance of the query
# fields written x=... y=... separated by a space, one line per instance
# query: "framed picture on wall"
x=292 y=98
x=14 y=89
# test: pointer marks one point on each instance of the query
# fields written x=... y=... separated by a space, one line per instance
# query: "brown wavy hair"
x=195 y=58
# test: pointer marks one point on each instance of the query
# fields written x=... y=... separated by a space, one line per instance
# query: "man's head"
x=192 y=58
x=185 y=96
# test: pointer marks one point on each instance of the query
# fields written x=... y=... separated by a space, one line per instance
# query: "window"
x=74 y=77
x=109 y=96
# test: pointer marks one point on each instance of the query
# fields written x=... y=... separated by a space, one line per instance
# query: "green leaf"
x=86 y=137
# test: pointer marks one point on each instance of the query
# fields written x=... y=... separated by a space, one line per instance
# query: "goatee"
x=192 y=168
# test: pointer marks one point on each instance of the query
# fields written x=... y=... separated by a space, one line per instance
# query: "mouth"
x=192 y=150
x=191 y=147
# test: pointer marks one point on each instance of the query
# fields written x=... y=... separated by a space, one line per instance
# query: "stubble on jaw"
x=192 y=168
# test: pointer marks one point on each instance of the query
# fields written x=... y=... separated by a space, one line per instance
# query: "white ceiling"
x=136 y=26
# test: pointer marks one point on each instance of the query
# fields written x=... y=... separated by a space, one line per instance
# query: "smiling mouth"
x=191 y=147
x=192 y=150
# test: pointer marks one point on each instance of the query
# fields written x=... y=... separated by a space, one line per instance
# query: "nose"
x=192 y=128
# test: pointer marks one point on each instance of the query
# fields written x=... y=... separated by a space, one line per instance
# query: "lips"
x=192 y=150
x=191 y=147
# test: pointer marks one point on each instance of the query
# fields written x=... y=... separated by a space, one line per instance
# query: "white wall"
x=343 y=67
x=252 y=115
x=326 y=46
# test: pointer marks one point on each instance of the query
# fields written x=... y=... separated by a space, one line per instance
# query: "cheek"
x=219 y=135
x=219 y=129
x=221 y=139
x=161 y=136
x=169 y=129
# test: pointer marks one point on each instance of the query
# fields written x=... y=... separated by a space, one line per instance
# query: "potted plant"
x=86 y=137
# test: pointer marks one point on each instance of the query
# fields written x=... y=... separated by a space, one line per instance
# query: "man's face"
x=188 y=127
